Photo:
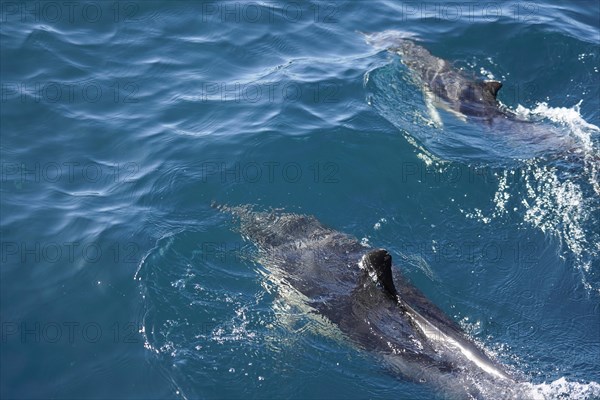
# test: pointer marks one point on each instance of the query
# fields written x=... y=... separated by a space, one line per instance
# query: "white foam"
x=562 y=389
x=556 y=205
x=569 y=117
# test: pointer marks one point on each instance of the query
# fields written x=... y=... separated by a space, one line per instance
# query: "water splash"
x=559 y=198
x=563 y=389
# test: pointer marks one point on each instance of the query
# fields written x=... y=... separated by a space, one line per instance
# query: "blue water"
x=122 y=122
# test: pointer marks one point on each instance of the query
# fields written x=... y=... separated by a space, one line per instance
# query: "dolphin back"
x=359 y=291
x=460 y=92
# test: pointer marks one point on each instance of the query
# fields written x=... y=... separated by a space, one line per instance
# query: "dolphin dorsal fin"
x=380 y=262
x=492 y=87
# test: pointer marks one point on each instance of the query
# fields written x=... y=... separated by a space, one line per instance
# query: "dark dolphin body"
x=358 y=291
x=473 y=99
x=464 y=95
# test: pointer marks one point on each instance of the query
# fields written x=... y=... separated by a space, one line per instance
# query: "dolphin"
x=358 y=291
x=450 y=88
x=470 y=98
x=445 y=86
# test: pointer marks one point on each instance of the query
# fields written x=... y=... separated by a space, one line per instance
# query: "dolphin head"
x=379 y=263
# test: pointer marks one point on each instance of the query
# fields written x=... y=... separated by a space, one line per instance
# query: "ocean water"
x=121 y=122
